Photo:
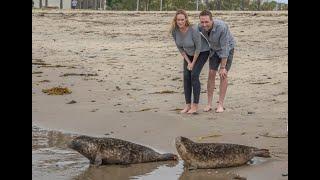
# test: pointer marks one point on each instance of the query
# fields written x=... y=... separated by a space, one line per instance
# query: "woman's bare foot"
x=220 y=108
x=193 y=109
x=207 y=108
x=186 y=109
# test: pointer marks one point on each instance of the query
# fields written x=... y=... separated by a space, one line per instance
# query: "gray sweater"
x=189 y=42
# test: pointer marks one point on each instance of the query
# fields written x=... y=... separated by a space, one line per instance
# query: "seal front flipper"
x=97 y=161
x=125 y=159
x=188 y=166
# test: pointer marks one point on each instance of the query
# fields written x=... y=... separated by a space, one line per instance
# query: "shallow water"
x=52 y=159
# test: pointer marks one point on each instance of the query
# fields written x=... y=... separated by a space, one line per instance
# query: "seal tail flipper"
x=261 y=153
x=167 y=157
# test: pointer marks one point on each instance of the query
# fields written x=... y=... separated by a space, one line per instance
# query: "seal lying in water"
x=103 y=151
x=215 y=155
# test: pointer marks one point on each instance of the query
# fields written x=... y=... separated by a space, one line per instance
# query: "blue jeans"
x=191 y=80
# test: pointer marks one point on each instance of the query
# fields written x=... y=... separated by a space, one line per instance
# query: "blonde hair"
x=174 y=21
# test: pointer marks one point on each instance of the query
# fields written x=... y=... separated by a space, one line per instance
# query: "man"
x=217 y=34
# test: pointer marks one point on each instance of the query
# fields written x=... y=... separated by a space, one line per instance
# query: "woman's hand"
x=190 y=66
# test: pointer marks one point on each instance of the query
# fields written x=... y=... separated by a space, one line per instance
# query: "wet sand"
x=125 y=75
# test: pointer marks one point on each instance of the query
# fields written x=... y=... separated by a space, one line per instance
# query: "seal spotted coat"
x=103 y=151
x=215 y=155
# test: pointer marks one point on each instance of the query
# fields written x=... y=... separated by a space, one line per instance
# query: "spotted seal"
x=215 y=155
x=103 y=151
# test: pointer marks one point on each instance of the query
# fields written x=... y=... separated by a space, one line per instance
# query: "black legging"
x=191 y=80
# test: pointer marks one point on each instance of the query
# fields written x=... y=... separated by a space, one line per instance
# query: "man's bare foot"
x=219 y=109
x=186 y=109
x=207 y=108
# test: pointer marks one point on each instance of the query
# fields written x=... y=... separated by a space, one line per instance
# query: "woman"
x=188 y=41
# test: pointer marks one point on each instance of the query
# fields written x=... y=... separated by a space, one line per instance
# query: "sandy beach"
x=125 y=77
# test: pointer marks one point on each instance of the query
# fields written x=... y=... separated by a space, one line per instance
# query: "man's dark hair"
x=206 y=13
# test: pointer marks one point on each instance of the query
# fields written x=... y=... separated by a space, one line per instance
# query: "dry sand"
x=120 y=63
